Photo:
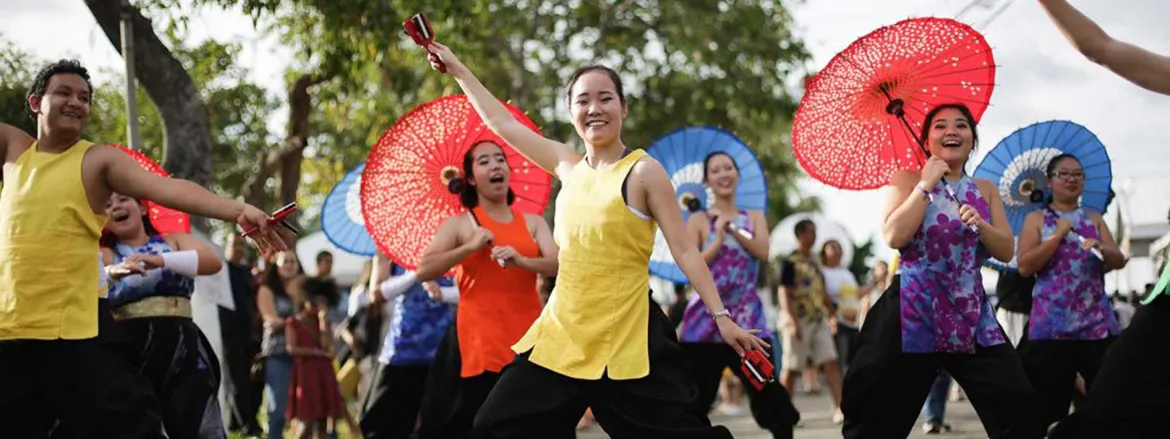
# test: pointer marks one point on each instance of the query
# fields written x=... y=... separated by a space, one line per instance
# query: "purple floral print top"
x=943 y=305
x=735 y=272
x=1068 y=301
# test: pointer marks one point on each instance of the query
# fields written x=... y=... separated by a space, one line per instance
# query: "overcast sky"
x=1040 y=76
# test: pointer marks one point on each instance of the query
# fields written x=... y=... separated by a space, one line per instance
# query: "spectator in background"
x=241 y=343
x=325 y=265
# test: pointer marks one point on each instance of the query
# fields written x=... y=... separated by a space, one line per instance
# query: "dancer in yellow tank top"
x=51 y=214
x=599 y=342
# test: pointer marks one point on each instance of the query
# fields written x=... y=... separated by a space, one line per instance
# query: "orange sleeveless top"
x=496 y=305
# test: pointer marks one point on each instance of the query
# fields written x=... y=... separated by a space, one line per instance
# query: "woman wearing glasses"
x=1071 y=325
x=1128 y=398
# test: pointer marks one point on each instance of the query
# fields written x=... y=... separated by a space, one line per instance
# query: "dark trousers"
x=82 y=387
x=451 y=401
x=846 y=341
x=771 y=407
x=244 y=393
x=885 y=388
x=390 y=410
x=530 y=401
x=1129 y=396
x=174 y=355
x=1053 y=365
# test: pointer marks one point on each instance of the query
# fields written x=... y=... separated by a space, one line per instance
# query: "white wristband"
x=184 y=262
x=450 y=294
x=397 y=285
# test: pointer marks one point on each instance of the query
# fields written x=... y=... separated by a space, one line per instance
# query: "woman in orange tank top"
x=497 y=252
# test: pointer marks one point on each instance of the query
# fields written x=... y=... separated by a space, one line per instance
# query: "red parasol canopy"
x=861 y=115
x=404 y=186
x=164 y=219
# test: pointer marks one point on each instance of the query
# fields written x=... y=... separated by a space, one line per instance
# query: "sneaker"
x=936 y=428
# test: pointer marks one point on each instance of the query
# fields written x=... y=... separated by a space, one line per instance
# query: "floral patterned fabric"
x=943 y=305
x=1068 y=301
x=736 y=272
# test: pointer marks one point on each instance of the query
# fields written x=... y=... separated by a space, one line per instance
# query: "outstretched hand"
x=440 y=55
x=269 y=238
x=740 y=339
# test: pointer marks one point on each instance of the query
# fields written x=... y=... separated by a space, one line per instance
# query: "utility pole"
x=131 y=91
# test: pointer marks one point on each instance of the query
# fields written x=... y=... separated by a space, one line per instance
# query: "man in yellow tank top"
x=52 y=366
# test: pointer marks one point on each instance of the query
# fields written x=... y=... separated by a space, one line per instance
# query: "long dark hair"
x=468 y=196
x=272 y=278
x=109 y=240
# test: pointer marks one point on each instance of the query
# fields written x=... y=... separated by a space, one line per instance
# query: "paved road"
x=817 y=413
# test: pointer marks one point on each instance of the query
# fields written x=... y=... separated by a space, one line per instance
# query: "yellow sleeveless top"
x=597 y=317
x=49 y=283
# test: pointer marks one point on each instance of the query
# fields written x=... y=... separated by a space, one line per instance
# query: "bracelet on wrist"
x=725 y=313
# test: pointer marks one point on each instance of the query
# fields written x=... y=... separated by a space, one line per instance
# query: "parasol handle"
x=1081 y=239
x=693 y=206
x=1094 y=251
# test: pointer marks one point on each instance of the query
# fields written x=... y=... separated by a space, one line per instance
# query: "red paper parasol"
x=860 y=117
x=164 y=219
x=404 y=186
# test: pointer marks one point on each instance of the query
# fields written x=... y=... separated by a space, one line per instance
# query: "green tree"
x=729 y=72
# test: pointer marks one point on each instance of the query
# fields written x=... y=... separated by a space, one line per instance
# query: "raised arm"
x=125 y=176
x=1146 y=69
x=649 y=176
x=547 y=154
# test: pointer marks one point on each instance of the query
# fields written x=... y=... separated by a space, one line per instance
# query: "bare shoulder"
x=986 y=187
x=905 y=178
x=15 y=141
x=533 y=220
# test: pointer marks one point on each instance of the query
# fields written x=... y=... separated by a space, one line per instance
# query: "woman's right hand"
x=128 y=267
x=480 y=238
x=933 y=172
x=439 y=54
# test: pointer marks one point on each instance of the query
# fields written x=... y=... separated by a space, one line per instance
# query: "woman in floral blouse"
x=1072 y=323
x=945 y=224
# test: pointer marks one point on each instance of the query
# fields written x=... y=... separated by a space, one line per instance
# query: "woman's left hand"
x=146 y=261
x=740 y=339
x=971 y=217
x=1091 y=243
x=506 y=253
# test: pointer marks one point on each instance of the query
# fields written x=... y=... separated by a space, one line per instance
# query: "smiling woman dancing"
x=1128 y=398
x=600 y=342
x=938 y=315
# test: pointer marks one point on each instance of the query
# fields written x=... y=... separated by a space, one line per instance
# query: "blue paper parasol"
x=341 y=216
x=682 y=152
x=1018 y=163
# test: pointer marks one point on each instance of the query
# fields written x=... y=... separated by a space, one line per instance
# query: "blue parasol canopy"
x=682 y=153
x=1018 y=163
x=341 y=216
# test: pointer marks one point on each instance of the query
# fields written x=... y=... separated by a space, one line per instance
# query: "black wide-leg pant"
x=1130 y=397
x=1052 y=367
x=530 y=401
x=885 y=387
x=771 y=407
x=451 y=401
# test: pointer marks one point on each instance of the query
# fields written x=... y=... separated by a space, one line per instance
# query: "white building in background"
x=1143 y=203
